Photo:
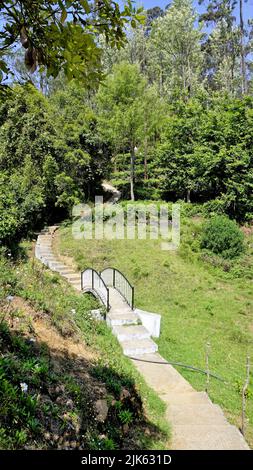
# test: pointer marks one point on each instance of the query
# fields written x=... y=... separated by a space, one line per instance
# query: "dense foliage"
x=172 y=120
x=62 y=35
x=205 y=154
x=51 y=157
x=223 y=237
x=52 y=386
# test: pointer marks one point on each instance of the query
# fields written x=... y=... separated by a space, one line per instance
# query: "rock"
x=60 y=389
x=125 y=428
x=101 y=408
x=54 y=428
x=124 y=394
x=60 y=400
x=51 y=390
x=70 y=403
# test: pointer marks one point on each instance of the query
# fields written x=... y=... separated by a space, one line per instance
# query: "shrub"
x=214 y=207
x=223 y=237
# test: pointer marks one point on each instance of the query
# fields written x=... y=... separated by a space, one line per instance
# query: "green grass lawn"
x=199 y=303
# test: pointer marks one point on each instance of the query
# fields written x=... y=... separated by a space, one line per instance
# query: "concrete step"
x=64 y=270
x=126 y=333
x=186 y=398
x=197 y=414
x=138 y=347
x=45 y=250
x=44 y=247
x=54 y=264
x=72 y=277
x=113 y=319
x=124 y=311
x=47 y=255
x=207 y=437
x=161 y=376
x=48 y=261
x=57 y=264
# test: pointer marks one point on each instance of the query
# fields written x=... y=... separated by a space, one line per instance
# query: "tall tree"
x=175 y=45
x=243 y=59
x=121 y=111
x=228 y=46
x=130 y=114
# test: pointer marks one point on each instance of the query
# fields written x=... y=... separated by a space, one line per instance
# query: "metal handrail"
x=92 y=285
x=126 y=290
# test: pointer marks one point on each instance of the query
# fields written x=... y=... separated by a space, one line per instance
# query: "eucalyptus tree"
x=176 y=59
x=228 y=47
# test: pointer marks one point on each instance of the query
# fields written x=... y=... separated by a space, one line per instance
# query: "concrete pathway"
x=197 y=423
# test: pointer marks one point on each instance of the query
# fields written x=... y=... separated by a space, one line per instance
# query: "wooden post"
x=244 y=390
x=207 y=366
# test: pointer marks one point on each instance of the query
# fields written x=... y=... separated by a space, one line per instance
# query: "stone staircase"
x=125 y=323
x=197 y=423
x=44 y=252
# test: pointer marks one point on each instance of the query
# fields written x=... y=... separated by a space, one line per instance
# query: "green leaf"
x=85 y=5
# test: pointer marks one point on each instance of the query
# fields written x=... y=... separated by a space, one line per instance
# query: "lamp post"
x=133 y=154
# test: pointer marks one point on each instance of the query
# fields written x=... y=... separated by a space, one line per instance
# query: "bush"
x=214 y=207
x=223 y=237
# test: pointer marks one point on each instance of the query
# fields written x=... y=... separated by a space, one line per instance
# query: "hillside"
x=64 y=382
x=202 y=298
x=112 y=103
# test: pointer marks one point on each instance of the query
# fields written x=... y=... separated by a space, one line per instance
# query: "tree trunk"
x=145 y=156
x=132 y=174
x=243 y=64
x=188 y=196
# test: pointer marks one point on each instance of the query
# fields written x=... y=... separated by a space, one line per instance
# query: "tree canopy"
x=171 y=119
x=62 y=35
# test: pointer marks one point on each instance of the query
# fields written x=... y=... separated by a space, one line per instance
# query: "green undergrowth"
x=135 y=416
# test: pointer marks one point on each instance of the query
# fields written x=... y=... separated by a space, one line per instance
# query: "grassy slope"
x=54 y=300
x=198 y=303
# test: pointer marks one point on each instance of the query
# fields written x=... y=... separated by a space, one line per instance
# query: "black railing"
x=92 y=280
x=115 y=278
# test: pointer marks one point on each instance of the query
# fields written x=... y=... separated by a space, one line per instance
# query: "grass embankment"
x=64 y=381
x=202 y=299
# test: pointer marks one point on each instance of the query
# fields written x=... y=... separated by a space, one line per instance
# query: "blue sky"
x=248 y=7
